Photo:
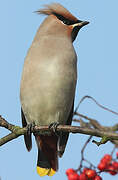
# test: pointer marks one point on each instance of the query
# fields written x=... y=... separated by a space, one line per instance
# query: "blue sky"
x=96 y=47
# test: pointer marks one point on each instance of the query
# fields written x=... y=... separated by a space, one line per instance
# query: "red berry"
x=105 y=161
x=83 y=177
x=73 y=176
x=84 y=170
x=111 y=170
x=108 y=157
x=97 y=178
x=102 y=166
x=70 y=171
x=91 y=173
x=117 y=154
x=115 y=165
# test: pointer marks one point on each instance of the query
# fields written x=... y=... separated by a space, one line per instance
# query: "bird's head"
x=60 y=21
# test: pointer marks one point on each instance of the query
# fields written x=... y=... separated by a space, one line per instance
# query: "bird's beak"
x=80 y=24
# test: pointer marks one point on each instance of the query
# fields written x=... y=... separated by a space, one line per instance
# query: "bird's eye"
x=66 y=21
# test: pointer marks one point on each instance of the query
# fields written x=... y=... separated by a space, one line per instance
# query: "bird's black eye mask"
x=65 y=20
x=69 y=22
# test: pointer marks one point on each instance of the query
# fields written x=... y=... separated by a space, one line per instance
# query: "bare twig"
x=98 y=104
x=5 y=124
x=94 y=123
x=82 y=153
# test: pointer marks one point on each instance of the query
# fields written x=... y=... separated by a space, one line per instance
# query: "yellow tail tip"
x=44 y=171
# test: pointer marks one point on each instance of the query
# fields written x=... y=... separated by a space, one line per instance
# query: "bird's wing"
x=64 y=135
x=27 y=137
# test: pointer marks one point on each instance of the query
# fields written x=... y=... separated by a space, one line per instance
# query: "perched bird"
x=48 y=83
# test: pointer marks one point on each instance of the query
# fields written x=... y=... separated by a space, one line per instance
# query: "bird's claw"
x=53 y=126
x=29 y=128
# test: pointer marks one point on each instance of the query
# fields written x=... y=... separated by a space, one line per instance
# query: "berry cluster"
x=86 y=174
x=107 y=164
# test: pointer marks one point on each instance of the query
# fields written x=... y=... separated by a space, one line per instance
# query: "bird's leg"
x=53 y=126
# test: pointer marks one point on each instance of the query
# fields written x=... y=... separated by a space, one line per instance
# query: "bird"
x=48 y=84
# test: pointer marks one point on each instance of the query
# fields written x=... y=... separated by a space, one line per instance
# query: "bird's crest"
x=56 y=8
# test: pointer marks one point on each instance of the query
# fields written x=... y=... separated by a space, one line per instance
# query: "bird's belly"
x=50 y=99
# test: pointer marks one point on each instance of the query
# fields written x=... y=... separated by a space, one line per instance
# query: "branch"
x=17 y=131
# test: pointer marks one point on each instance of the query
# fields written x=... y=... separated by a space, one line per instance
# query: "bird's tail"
x=47 y=163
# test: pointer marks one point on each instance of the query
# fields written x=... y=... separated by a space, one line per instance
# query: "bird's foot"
x=53 y=126
x=29 y=128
